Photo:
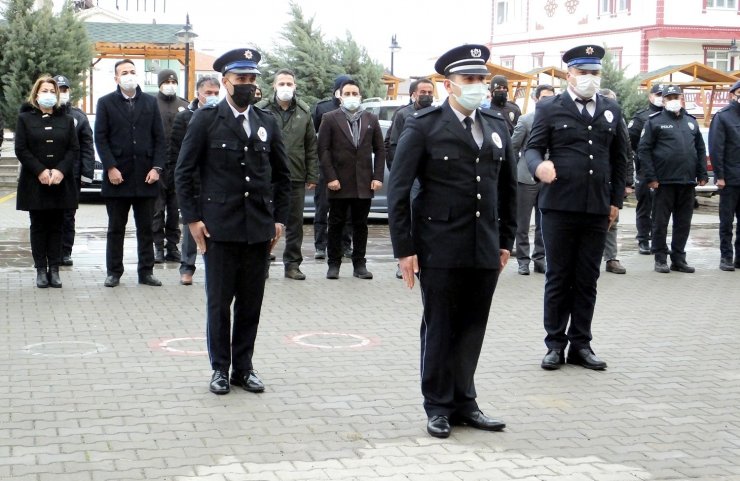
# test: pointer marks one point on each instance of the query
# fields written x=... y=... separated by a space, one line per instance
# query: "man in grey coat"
x=527 y=190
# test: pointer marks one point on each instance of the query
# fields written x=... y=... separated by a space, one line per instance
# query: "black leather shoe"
x=158 y=255
x=149 y=280
x=348 y=253
x=54 y=279
x=42 y=278
x=662 y=267
x=586 y=358
x=320 y=254
x=362 y=273
x=553 y=359
x=439 y=426
x=112 y=281
x=173 y=255
x=248 y=380
x=478 y=420
x=539 y=267
x=682 y=267
x=523 y=270
x=67 y=260
x=220 y=382
x=295 y=273
x=643 y=247
x=726 y=265
x=332 y=272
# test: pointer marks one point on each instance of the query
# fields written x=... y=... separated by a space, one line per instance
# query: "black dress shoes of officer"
x=662 y=267
x=295 y=273
x=726 y=265
x=67 y=260
x=54 y=279
x=553 y=359
x=158 y=255
x=539 y=267
x=439 y=426
x=248 y=380
x=681 y=266
x=173 y=254
x=478 y=420
x=320 y=254
x=523 y=270
x=112 y=281
x=220 y=382
x=644 y=248
x=332 y=272
x=362 y=272
x=42 y=278
x=585 y=357
x=149 y=280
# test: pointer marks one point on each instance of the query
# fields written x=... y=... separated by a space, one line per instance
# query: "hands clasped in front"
x=51 y=177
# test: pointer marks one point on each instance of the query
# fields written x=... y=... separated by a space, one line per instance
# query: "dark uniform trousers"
x=46 y=237
x=320 y=222
x=292 y=255
x=729 y=210
x=456 y=307
x=644 y=210
x=234 y=270
x=358 y=210
x=118 y=209
x=574 y=242
x=166 y=217
x=676 y=200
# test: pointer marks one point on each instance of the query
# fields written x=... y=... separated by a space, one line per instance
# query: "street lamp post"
x=733 y=54
x=394 y=48
x=186 y=35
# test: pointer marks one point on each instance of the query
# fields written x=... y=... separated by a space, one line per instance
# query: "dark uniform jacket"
x=672 y=149
x=299 y=137
x=179 y=127
x=131 y=141
x=510 y=113
x=635 y=129
x=724 y=144
x=354 y=167
x=323 y=107
x=45 y=142
x=589 y=158
x=466 y=207
x=394 y=132
x=245 y=182
x=84 y=166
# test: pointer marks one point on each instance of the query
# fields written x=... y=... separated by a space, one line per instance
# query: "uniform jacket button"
x=246 y=194
x=477 y=178
x=477 y=214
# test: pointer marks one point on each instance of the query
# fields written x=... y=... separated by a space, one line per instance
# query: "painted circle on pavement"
x=332 y=340
x=64 y=349
x=183 y=346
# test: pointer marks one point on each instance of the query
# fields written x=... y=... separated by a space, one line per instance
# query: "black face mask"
x=424 y=101
x=499 y=98
x=243 y=94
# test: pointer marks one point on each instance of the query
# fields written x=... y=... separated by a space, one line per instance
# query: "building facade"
x=642 y=36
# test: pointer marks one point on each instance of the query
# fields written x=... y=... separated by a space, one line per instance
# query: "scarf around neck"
x=354 y=122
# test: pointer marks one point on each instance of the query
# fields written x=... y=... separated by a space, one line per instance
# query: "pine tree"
x=38 y=42
x=627 y=89
x=354 y=60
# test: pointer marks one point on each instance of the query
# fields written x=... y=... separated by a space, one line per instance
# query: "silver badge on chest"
x=497 y=140
x=262 y=134
x=691 y=126
x=609 y=116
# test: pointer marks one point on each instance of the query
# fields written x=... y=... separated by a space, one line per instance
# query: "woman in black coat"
x=46 y=146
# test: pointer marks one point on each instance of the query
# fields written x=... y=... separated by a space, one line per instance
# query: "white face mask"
x=168 y=89
x=284 y=93
x=128 y=82
x=351 y=103
x=46 y=100
x=657 y=101
x=672 y=105
x=471 y=95
x=63 y=98
x=587 y=85
x=211 y=100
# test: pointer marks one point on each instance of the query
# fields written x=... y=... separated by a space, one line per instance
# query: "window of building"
x=508 y=62
x=538 y=60
x=719 y=59
x=616 y=57
x=605 y=6
x=623 y=5
x=502 y=11
x=722 y=4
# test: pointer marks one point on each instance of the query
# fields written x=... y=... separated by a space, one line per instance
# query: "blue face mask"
x=211 y=100
x=486 y=104
x=47 y=100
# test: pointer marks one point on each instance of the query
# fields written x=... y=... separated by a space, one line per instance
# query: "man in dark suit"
x=583 y=187
x=240 y=208
x=458 y=235
x=348 y=139
x=131 y=145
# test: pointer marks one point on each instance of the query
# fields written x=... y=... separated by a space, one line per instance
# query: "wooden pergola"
x=702 y=76
x=391 y=84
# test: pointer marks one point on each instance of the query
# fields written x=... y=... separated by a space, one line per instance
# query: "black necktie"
x=240 y=121
x=584 y=111
x=131 y=105
x=469 y=127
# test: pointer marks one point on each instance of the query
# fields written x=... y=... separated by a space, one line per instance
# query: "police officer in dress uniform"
x=459 y=234
x=583 y=188
x=500 y=102
x=643 y=194
x=673 y=157
x=241 y=208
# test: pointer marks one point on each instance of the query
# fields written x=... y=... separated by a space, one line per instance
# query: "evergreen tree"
x=627 y=89
x=354 y=60
x=36 y=43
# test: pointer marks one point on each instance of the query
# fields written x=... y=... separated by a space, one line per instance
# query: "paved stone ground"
x=111 y=384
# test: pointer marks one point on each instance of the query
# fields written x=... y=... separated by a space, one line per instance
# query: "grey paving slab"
x=111 y=384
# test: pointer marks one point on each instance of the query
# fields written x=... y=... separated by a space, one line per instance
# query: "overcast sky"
x=424 y=30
